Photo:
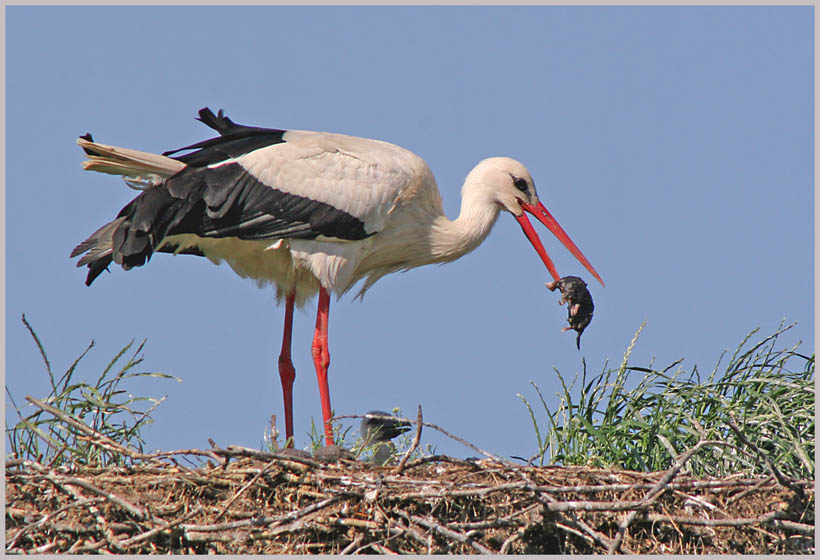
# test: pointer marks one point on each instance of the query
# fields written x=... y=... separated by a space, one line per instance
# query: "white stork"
x=377 y=429
x=306 y=211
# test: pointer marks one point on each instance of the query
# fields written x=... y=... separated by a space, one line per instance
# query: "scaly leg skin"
x=286 y=371
x=321 y=359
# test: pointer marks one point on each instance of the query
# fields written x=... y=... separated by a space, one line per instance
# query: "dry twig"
x=266 y=503
x=416 y=441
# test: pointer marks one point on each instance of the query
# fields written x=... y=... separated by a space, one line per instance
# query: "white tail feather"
x=127 y=162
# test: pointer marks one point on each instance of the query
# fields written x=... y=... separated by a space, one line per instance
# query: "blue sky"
x=674 y=144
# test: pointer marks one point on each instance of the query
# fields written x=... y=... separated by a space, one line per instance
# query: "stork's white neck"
x=450 y=239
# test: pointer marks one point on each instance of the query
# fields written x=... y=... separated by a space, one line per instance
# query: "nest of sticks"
x=242 y=501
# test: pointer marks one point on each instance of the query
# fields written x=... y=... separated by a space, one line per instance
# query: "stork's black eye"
x=520 y=184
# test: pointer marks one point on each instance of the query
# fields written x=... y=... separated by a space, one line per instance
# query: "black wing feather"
x=216 y=202
x=234 y=140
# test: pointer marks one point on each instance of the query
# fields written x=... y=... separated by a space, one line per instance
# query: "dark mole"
x=574 y=292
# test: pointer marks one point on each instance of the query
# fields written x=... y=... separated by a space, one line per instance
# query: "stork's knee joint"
x=321 y=356
x=286 y=369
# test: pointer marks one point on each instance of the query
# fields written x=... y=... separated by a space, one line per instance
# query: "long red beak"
x=546 y=218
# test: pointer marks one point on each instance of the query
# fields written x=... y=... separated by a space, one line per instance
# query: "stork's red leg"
x=286 y=371
x=321 y=359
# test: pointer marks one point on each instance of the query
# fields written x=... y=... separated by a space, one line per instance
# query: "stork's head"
x=512 y=188
x=378 y=426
